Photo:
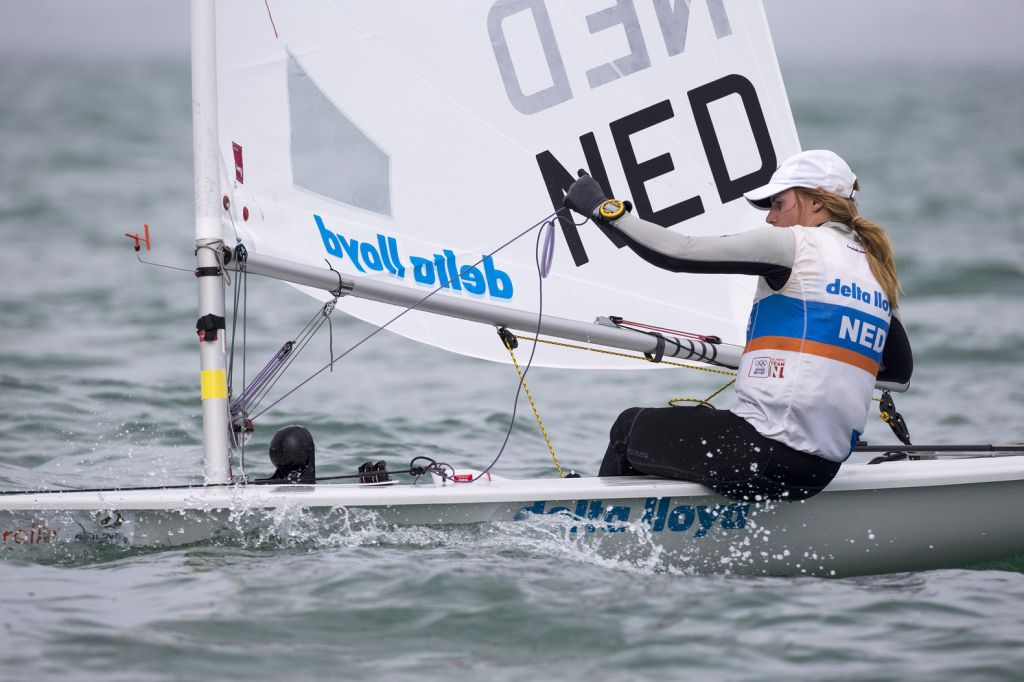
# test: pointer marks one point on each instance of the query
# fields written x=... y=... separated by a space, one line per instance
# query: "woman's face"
x=789 y=209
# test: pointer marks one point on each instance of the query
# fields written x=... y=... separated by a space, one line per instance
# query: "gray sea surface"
x=98 y=370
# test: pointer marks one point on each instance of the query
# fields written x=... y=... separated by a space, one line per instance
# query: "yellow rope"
x=706 y=401
x=673 y=401
x=536 y=414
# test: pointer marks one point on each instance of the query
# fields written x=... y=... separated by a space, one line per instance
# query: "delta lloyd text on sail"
x=440 y=269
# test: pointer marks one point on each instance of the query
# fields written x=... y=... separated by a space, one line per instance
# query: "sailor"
x=823 y=328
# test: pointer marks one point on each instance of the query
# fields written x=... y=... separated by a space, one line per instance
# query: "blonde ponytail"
x=872 y=236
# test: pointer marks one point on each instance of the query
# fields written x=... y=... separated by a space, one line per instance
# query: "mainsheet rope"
x=543 y=262
x=508 y=341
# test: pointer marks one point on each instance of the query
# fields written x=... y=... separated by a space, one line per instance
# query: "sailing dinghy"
x=398 y=162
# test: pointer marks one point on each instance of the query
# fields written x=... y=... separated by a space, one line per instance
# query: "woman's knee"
x=623 y=424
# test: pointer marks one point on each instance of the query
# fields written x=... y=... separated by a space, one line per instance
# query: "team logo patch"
x=767 y=368
x=759 y=367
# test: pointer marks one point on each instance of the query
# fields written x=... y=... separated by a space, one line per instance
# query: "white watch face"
x=611 y=207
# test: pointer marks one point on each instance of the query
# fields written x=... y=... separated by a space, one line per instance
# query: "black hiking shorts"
x=713 y=447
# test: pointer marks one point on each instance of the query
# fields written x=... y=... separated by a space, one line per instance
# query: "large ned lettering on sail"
x=537 y=28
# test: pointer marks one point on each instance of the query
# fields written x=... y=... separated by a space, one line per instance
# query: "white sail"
x=405 y=141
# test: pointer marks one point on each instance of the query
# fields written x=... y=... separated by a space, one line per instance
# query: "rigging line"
x=402 y=313
x=245 y=346
x=234 y=325
x=326 y=312
x=277 y=361
x=161 y=265
x=245 y=343
x=442 y=469
x=413 y=471
x=237 y=439
x=254 y=391
x=279 y=364
x=330 y=331
x=536 y=412
x=529 y=362
x=240 y=292
x=280 y=371
x=254 y=387
x=705 y=401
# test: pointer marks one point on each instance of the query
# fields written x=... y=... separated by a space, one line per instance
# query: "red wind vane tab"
x=139 y=240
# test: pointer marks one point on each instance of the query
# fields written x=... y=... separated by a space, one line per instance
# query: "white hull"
x=883 y=518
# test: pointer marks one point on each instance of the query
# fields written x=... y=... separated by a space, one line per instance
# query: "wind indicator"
x=139 y=240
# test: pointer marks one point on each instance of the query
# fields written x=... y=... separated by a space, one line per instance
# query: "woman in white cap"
x=822 y=330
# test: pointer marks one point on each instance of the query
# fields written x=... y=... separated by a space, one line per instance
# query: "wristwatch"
x=610 y=209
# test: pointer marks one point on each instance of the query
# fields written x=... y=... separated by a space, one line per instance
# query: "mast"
x=209 y=242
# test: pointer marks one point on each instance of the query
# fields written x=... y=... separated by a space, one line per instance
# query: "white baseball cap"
x=814 y=169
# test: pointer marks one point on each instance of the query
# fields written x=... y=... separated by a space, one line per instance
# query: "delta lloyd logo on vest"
x=439 y=269
x=875 y=298
x=867 y=333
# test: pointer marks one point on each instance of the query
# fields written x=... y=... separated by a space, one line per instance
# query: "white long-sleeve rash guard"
x=767 y=252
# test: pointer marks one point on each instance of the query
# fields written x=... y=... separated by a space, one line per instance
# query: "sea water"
x=98 y=387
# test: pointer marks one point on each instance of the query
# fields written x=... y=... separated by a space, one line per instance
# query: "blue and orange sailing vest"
x=813 y=347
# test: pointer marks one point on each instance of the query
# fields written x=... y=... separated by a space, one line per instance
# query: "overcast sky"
x=928 y=31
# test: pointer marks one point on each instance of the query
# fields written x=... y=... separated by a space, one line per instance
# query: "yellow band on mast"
x=213 y=384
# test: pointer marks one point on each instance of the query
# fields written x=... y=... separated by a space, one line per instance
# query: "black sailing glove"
x=585 y=195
